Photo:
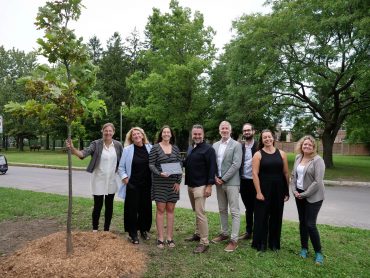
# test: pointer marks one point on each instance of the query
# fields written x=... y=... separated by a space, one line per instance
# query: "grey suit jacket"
x=231 y=162
x=95 y=149
x=313 y=179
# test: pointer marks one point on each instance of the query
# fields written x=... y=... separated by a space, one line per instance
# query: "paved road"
x=343 y=206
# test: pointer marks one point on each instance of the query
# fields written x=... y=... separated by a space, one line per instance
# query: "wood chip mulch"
x=102 y=254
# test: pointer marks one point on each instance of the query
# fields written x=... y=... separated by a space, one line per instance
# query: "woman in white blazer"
x=308 y=188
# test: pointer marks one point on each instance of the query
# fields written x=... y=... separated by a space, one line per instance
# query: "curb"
x=46 y=166
x=326 y=182
x=348 y=183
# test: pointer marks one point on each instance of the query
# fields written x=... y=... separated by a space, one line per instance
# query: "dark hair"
x=197 y=126
x=172 y=139
x=260 y=143
x=252 y=126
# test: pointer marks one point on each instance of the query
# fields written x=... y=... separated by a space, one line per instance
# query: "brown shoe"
x=246 y=236
x=201 y=248
x=194 y=237
x=220 y=238
x=231 y=247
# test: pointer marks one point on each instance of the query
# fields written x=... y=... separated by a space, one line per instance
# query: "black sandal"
x=160 y=244
x=134 y=240
x=171 y=243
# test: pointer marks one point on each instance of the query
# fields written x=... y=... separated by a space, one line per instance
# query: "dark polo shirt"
x=200 y=165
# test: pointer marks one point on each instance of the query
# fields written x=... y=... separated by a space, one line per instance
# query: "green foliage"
x=69 y=84
x=309 y=54
x=21 y=124
x=114 y=69
x=15 y=64
x=171 y=90
x=358 y=128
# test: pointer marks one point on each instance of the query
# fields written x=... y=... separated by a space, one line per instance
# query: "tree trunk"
x=53 y=147
x=69 y=215
x=81 y=143
x=20 y=143
x=327 y=143
x=6 y=142
x=47 y=143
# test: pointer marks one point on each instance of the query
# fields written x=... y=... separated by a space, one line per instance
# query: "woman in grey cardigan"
x=105 y=156
x=308 y=188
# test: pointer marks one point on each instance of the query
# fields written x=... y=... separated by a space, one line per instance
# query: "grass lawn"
x=346 y=250
x=347 y=167
x=352 y=168
x=57 y=158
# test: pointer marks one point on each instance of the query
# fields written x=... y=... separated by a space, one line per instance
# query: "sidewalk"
x=326 y=182
x=343 y=206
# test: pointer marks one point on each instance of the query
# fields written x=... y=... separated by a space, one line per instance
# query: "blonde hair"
x=128 y=139
x=298 y=147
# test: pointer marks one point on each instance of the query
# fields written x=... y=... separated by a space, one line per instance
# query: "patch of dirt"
x=15 y=234
x=102 y=254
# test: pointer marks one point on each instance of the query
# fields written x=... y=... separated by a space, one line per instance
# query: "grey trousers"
x=228 y=196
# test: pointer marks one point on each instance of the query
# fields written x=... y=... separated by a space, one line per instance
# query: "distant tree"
x=358 y=128
x=95 y=49
x=310 y=54
x=13 y=65
x=114 y=69
x=172 y=87
x=19 y=124
x=238 y=102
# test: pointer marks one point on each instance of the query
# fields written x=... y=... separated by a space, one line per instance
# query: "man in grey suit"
x=229 y=158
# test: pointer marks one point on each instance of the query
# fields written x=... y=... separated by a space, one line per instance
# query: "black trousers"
x=137 y=209
x=268 y=219
x=98 y=204
x=307 y=213
x=248 y=194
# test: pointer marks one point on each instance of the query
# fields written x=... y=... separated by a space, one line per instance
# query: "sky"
x=103 y=18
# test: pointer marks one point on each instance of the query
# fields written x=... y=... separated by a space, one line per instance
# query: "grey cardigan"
x=95 y=149
x=313 y=176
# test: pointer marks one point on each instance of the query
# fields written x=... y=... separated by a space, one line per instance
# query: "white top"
x=220 y=154
x=104 y=178
x=247 y=167
x=300 y=170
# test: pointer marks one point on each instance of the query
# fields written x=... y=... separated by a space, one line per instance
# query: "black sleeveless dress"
x=268 y=214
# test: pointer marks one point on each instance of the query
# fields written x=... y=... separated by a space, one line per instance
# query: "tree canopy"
x=171 y=87
x=309 y=54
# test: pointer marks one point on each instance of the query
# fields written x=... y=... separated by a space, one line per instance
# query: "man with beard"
x=247 y=190
x=200 y=171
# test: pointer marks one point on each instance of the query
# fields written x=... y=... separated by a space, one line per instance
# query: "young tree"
x=67 y=87
x=310 y=54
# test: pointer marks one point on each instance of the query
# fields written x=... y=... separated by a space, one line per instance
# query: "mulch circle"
x=102 y=254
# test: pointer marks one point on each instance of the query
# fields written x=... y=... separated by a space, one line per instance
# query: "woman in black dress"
x=135 y=174
x=271 y=179
x=165 y=189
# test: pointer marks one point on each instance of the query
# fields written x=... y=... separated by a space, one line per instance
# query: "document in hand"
x=172 y=168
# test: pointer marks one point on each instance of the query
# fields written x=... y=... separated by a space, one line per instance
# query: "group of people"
x=256 y=171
